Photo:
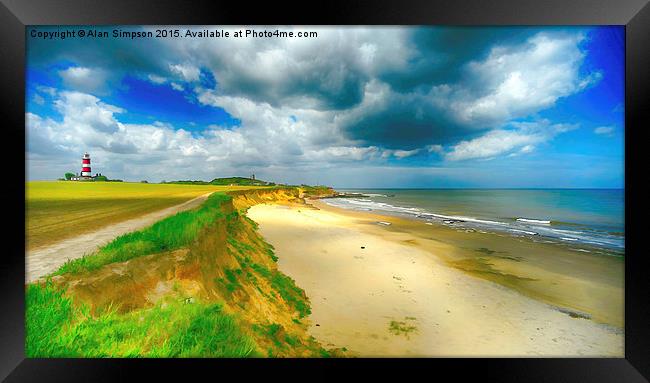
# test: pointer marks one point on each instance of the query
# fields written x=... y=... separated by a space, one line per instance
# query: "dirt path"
x=40 y=262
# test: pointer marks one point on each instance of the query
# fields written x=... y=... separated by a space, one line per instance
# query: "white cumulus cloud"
x=604 y=130
x=84 y=79
x=522 y=138
x=186 y=72
x=516 y=81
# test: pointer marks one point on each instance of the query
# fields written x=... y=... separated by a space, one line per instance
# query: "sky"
x=354 y=107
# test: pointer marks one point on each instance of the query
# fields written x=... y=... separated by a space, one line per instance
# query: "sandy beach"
x=379 y=291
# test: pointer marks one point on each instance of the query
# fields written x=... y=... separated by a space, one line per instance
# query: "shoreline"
x=542 y=232
x=586 y=284
x=398 y=289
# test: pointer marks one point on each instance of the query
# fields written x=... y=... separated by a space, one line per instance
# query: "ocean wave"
x=360 y=202
x=377 y=205
x=524 y=231
x=537 y=221
x=514 y=226
x=459 y=218
x=565 y=231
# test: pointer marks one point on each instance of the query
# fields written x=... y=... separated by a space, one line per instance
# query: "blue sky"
x=353 y=107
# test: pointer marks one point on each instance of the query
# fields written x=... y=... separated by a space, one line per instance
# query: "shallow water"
x=590 y=217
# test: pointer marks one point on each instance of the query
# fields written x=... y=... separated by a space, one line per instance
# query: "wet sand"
x=43 y=261
x=403 y=289
x=586 y=283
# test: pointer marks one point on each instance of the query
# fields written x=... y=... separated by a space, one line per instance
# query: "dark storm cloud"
x=319 y=86
x=112 y=54
x=323 y=73
x=442 y=52
x=402 y=121
x=462 y=81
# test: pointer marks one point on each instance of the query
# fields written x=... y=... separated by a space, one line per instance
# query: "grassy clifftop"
x=202 y=283
x=225 y=181
x=59 y=210
x=238 y=181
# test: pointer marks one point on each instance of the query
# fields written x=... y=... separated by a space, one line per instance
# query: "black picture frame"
x=634 y=14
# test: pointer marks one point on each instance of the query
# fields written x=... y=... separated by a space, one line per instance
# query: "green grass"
x=282 y=284
x=170 y=233
x=286 y=287
x=226 y=181
x=231 y=282
x=401 y=328
x=241 y=247
x=242 y=181
x=316 y=190
x=47 y=312
x=277 y=334
x=234 y=225
x=271 y=253
x=56 y=328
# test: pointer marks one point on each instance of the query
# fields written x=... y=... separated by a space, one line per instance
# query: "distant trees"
x=101 y=178
x=68 y=176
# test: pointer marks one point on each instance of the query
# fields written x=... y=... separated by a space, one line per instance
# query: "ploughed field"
x=56 y=210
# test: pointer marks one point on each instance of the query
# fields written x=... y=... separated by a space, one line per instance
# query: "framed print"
x=385 y=185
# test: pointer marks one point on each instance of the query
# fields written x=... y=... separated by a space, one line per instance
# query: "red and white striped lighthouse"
x=85 y=165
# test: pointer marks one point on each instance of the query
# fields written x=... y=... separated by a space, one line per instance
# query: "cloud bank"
x=350 y=97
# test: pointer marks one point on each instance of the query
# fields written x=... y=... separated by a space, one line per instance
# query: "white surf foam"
x=523 y=231
x=521 y=226
x=536 y=221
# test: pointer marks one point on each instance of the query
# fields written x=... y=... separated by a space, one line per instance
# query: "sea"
x=589 y=217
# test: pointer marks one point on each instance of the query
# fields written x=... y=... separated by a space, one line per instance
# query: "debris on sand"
x=401 y=327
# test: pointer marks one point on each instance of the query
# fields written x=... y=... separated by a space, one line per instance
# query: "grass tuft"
x=287 y=289
x=168 y=234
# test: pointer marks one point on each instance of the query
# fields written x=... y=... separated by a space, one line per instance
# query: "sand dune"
x=377 y=293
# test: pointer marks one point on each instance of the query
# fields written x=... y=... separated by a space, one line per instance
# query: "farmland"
x=60 y=210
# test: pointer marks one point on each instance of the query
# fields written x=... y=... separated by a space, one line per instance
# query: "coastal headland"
x=200 y=283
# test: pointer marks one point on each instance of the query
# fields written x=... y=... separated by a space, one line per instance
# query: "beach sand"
x=381 y=290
